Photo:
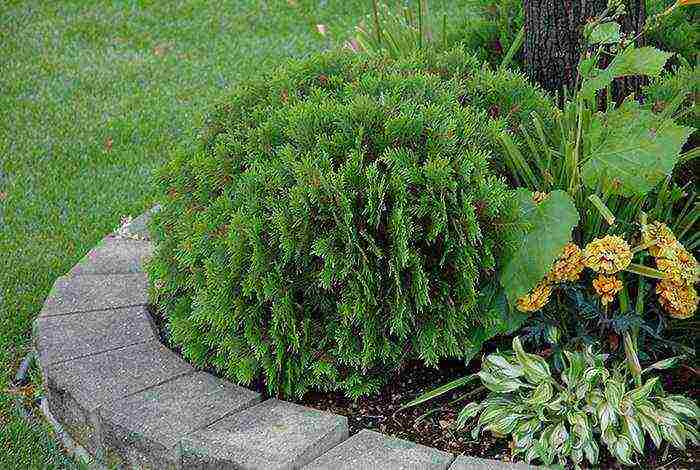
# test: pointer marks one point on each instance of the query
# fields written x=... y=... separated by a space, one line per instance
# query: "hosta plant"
x=565 y=418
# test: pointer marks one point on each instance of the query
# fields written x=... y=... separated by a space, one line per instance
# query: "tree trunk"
x=553 y=40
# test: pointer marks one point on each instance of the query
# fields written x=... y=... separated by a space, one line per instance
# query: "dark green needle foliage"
x=339 y=218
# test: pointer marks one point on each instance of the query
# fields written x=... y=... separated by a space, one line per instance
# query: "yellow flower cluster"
x=569 y=265
x=677 y=294
x=679 y=300
x=607 y=255
x=611 y=254
x=607 y=287
x=536 y=299
x=539 y=196
x=658 y=238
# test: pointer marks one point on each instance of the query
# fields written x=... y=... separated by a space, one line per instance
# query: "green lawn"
x=93 y=95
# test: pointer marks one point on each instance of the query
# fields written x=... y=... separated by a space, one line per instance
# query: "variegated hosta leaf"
x=559 y=435
x=576 y=364
x=667 y=418
x=475 y=431
x=651 y=428
x=607 y=416
x=542 y=394
x=499 y=384
x=591 y=451
x=642 y=393
x=674 y=435
x=529 y=426
x=665 y=364
x=576 y=456
x=622 y=450
x=531 y=453
x=535 y=367
x=582 y=428
x=522 y=441
x=682 y=405
x=504 y=425
x=492 y=413
x=556 y=404
x=692 y=433
x=469 y=411
x=503 y=366
x=614 y=392
x=609 y=437
x=544 y=451
x=634 y=433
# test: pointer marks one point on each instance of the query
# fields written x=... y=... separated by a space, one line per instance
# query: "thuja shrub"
x=340 y=217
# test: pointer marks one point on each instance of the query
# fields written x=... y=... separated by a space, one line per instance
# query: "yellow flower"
x=680 y=265
x=607 y=255
x=539 y=196
x=607 y=287
x=568 y=266
x=688 y=2
x=536 y=299
x=659 y=238
x=679 y=300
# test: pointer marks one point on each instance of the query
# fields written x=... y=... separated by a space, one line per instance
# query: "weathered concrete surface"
x=143 y=430
x=72 y=294
x=65 y=337
x=115 y=256
x=77 y=388
x=472 y=463
x=137 y=229
x=368 y=450
x=272 y=435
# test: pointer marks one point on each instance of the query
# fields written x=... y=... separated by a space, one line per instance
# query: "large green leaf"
x=632 y=61
x=631 y=149
x=548 y=228
x=605 y=33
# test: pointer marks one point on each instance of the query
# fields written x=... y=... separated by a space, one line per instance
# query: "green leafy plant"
x=341 y=217
x=603 y=162
x=565 y=418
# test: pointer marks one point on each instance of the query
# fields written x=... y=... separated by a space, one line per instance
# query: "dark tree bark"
x=554 y=41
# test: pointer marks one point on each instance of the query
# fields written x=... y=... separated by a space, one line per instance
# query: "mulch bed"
x=433 y=423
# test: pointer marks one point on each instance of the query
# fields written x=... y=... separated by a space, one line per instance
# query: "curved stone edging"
x=131 y=402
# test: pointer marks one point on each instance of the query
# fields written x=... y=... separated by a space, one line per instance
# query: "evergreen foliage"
x=340 y=217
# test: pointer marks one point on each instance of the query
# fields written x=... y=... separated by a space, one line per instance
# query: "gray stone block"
x=369 y=450
x=472 y=463
x=77 y=388
x=72 y=294
x=137 y=229
x=64 y=337
x=114 y=256
x=143 y=430
x=273 y=435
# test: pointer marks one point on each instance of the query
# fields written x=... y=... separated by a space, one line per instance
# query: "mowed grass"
x=93 y=97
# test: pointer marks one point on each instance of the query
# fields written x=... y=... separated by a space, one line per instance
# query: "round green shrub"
x=340 y=217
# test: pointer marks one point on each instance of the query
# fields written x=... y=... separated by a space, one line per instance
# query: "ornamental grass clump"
x=340 y=218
